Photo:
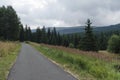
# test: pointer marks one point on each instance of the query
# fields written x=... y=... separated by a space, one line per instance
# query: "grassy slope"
x=83 y=66
x=8 y=54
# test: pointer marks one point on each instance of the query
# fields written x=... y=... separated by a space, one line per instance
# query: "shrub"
x=99 y=71
x=71 y=45
x=114 y=44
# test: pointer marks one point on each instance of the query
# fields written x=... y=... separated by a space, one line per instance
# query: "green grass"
x=7 y=60
x=84 y=67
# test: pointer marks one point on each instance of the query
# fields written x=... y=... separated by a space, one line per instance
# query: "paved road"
x=31 y=65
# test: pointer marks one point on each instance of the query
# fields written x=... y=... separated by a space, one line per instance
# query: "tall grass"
x=85 y=67
x=8 y=53
x=7 y=47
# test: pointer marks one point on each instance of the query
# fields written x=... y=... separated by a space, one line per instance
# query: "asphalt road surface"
x=31 y=65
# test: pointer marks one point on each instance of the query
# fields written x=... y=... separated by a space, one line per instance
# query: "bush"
x=71 y=45
x=99 y=71
x=114 y=44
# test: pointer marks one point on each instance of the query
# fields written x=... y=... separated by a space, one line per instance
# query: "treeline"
x=87 y=41
x=48 y=36
x=12 y=29
x=9 y=23
x=104 y=37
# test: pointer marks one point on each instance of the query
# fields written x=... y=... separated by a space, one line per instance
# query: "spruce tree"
x=49 y=36
x=76 y=40
x=13 y=24
x=65 y=41
x=43 y=35
x=88 y=42
x=54 y=36
x=38 y=35
x=26 y=33
x=59 y=40
x=21 y=36
x=9 y=23
x=102 y=41
x=29 y=34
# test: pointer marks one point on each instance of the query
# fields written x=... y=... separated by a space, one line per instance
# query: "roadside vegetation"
x=8 y=54
x=84 y=65
x=87 y=62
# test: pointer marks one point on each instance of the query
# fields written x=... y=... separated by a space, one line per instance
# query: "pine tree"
x=21 y=36
x=65 y=41
x=38 y=35
x=102 y=41
x=49 y=36
x=44 y=35
x=2 y=22
x=29 y=34
x=26 y=33
x=59 y=39
x=76 y=40
x=9 y=23
x=13 y=24
x=54 y=36
x=88 y=42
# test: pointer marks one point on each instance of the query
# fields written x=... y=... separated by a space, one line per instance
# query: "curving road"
x=31 y=65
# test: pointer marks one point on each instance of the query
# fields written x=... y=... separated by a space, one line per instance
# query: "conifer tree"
x=43 y=35
x=102 y=41
x=59 y=40
x=38 y=35
x=88 y=42
x=49 y=36
x=9 y=23
x=54 y=36
x=26 y=33
x=21 y=36
x=29 y=34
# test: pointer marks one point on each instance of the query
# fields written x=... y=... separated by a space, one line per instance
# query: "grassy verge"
x=84 y=67
x=8 y=53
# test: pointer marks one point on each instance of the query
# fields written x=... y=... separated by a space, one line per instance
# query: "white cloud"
x=66 y=12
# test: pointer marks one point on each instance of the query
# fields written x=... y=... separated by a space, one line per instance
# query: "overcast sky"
x=60 y=13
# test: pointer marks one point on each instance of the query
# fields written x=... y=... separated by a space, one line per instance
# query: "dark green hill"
x=79 y=29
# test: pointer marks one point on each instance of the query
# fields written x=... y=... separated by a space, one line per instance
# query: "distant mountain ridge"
x=78 y=29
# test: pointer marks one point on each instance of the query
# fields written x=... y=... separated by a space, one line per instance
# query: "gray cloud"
x=66 y=12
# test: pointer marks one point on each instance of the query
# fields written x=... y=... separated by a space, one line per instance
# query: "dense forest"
x=9 y=23
x=87 y=41
x=12 y=29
